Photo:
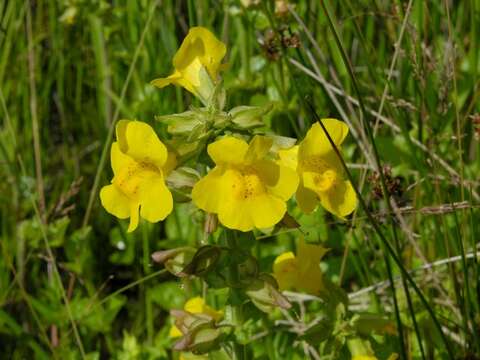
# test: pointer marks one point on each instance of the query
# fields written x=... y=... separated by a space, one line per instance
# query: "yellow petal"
x=118 y=159
x=340 y=200
x=155 y=199
x=190 y=80
x=216 y=315
x=115 y=202
x=235 y=214
x=307 y=199
x=193 y=77
x=133 y=216
x=202 y=44
x=207 y=193
x=228 y=150
x=194 y=305
x=197 y=305
x=285 y=271
x=266 y=210
x=289 y=157
x=310 y=253
x=120 y=131
x=236 y=209
x=171 y=163
x=138 y=140
x=316 y=143
x=311 y=281
x=280 y=180
x=310 y=274
x=258 y=148
x=174 y=332
x=171 y=79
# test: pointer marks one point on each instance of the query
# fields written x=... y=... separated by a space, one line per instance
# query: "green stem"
x=236 y=313
x=146 y=292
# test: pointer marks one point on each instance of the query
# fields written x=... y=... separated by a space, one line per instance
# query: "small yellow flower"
x=301 y=272
x=364 y=357
x=196 y=63
x=245 y=189
x=139 y=163
x=320 y=172
x=196 y=305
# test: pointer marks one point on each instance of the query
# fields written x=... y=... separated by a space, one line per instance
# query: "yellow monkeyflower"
x=140 y=163
x=320 y=171
x=196 y=305
x=245 y=189
x=196 y=63
x=301 y=272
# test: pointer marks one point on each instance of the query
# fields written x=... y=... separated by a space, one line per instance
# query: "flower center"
x=320 y=182
x=326 y=180
x=247 y=184
x=318 y=174
x=128 y=180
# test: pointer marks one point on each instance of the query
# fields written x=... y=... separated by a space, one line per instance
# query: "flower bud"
x=164 y=255
x=211 y=223
x=264 y=294
x=248 y=117
x=174 y=260
x=203 y=261
x=180 y=124
x=183 y=178
x=200 y=334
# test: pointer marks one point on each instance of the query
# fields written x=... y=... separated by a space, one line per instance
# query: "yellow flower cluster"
x=250 y=184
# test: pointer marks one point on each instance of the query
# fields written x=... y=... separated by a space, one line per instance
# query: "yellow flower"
x=196 y=64
x=364 y=357
x=245 y=189
x=139 y=161
x=301 y=272
x=320 y=172
x=196 y=305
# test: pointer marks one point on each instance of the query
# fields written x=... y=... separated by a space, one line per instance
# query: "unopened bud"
x=174 y=260
x=211 y=223
x=265 y=295
x=200 y=334
x=203 y=260
x=179 y=124
x=248 y=117
x=163 y=255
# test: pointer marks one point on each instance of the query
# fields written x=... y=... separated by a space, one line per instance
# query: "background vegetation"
x=74 y=284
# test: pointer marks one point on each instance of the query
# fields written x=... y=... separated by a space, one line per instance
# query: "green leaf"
x=168 y=295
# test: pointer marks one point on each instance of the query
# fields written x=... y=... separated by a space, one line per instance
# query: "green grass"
x=403 y=75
